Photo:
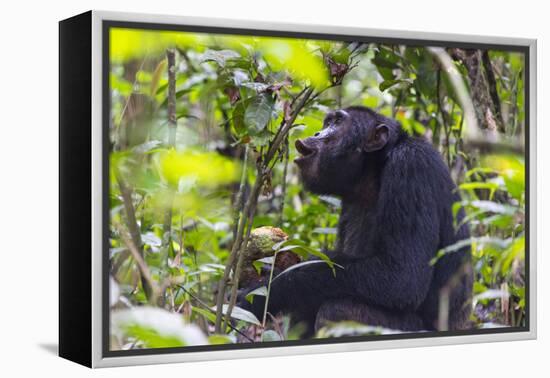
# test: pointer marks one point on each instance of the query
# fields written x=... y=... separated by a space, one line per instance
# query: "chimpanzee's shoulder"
x=413 y=150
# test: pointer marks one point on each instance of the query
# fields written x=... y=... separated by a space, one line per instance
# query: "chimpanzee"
x=397 y=213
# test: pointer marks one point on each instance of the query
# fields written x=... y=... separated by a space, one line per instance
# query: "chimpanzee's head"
x=335 y=159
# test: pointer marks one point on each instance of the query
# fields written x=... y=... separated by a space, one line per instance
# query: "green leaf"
x=178 y=95
x=217 y=339
x=386 y=84
x=208 y=169
x=258 y=87
x=261 y=138
x=298 y=58
x=351 y=328
x=515 y=251
x=152 y=338
x=157 y=75
x=238 y=116
x=117 y=83
x=493 y=207
x=491 y=294
x=207 y=314
x=266 y=260
x=426 y=75
x=146 y=147
x=127 y=44
x=512 y=170
x=384 y=62
x=257 y=266
x=211 y=317
x=258 y=112
x=484 y=241
x=240 y=314
x=491 y=186
x=302 y=250
x=336 y=202
x=219 y=56
x=479 y=287
x=271 y=335
x=151 y=239
x=262 y=291
x=156 y=328
x=310 y=262
x=185 y=114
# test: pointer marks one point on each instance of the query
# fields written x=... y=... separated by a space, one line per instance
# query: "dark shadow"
x=50 y=348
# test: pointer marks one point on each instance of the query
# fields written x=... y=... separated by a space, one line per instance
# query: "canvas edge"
x=97 y=192
x=533 y=189
x=74 y=152
x=97 y=144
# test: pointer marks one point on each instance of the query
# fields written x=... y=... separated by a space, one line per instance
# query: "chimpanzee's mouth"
x=303 y=150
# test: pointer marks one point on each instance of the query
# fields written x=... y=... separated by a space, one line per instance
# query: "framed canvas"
x=235 y=189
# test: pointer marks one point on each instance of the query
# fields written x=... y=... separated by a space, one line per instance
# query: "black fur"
x=397 y=197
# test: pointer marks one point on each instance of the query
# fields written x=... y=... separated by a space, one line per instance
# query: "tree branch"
x=133 y=227
x=145 y=274
x=233 y=254
x=172 y=126
x=283 y=189
x=247 y=216
x=485 y=109
x=286 y=128
x=492 y=84
x=240 y=260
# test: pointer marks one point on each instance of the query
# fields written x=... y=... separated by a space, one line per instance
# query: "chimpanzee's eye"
x=339 y=116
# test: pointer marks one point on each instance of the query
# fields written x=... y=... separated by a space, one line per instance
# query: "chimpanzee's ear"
x=377 y=138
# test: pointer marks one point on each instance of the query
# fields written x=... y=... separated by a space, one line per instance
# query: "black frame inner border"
x=106 y=108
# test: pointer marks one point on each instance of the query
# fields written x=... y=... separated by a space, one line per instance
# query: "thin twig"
x=492 y=87
x=263 y=173
x=172 y=126
x=240 y=261
x=445 y=124
x=264 y=318
x=144 y=271
x=171 y=100
x=233 y=254
x=295 y=98
x=130 y=96
x=250 y=209
x=283 y=188
x=133 y=227
x=239 y=200
x=286 y=127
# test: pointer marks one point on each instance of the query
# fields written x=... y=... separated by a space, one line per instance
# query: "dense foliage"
x=202 y=130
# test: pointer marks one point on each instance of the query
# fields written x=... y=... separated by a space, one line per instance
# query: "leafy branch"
x=241 y=239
